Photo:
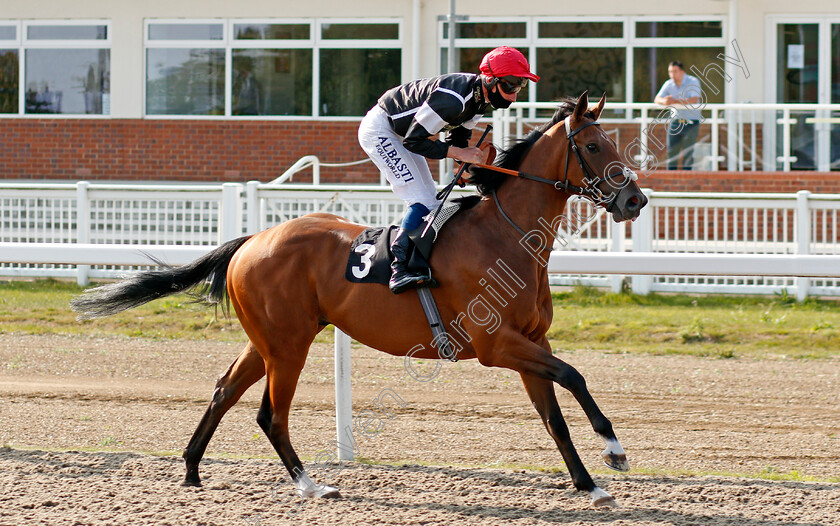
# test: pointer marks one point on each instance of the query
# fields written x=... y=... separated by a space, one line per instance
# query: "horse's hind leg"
x=244 y=372
x=541 y=393
x=273 y=418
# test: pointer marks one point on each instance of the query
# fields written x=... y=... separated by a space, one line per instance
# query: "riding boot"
x=403 y=279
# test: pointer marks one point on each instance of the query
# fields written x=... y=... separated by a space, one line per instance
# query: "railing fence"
x=205 y=215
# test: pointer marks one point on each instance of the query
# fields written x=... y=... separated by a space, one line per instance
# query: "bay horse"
x=287 y=284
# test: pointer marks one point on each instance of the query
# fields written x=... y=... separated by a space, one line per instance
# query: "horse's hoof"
x=605 y=502
x=602 y=498
x=616 y=461
x=194 y=483
x=332 y=493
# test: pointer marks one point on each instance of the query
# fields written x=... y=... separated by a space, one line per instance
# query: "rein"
x=590 y=190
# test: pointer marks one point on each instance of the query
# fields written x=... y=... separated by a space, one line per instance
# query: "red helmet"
x=506 y=61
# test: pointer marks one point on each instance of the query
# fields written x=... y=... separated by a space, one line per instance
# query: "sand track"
x=74 y=412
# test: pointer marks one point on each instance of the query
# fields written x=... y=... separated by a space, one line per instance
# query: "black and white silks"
x=423 y=108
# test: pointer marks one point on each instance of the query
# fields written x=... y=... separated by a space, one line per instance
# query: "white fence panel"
x=205 y=215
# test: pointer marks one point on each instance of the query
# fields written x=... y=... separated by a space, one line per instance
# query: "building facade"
x=215 y=91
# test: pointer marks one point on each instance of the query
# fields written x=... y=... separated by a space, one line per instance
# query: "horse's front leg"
x=541 y=393
x=516 y=352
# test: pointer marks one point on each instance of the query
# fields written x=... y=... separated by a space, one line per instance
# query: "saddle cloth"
x=370 y=253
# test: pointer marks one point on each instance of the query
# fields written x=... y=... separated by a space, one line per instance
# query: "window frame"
x=228 y=43
x=16 y=45
x=22 y=43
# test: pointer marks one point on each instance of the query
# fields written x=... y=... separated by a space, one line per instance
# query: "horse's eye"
x=592 y=147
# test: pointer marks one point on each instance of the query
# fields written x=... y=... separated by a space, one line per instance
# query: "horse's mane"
x=488 y=180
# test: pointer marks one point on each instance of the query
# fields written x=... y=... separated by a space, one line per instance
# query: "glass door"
x=797 y=82
x=834 y=120
x=807 y=65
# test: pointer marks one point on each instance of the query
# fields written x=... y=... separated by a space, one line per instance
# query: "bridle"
x=591 y=179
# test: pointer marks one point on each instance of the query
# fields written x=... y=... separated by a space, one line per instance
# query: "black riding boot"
x=403 y=279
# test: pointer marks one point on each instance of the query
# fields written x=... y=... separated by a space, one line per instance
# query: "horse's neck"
x=530 y=204
x=533 y=207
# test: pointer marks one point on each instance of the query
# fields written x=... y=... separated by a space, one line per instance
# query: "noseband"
x=591 y=179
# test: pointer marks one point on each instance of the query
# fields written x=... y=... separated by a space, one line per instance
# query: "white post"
x=82 y=228
x=498 y=134
x=733 y=146
x=715 y=140
x=343 y=394
x=316 y=172
x=741 y=150
x=642 y=232
x=643 y=134
x=803 y=238
x=230 y=222
x=415 y=39
x=786 y=158
x=617 y=246
x=254 y=212
x=753 y=141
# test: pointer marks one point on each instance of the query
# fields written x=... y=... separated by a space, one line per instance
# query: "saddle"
x=370 y=253
x=370 y=262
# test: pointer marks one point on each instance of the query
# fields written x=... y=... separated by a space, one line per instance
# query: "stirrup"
x=411 y=281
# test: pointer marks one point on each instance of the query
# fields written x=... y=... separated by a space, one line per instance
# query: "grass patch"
x=714 y=326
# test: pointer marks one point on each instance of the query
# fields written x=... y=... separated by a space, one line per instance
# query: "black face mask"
x=494 y=97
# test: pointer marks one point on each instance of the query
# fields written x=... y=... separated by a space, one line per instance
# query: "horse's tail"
x=144 y=287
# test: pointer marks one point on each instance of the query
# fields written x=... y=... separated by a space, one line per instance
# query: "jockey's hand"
x=471 y=155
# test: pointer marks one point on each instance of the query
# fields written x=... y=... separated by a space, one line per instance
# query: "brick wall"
x=180 y=150
x=213 y=151
x=695 y=181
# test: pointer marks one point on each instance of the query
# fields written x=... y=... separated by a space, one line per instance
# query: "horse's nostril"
x=634 y=203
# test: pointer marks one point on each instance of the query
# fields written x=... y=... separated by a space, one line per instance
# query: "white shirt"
x=690 y=88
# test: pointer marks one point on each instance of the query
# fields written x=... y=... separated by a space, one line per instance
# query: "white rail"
x=803 y=128
x=155 y=217
x=560 y=262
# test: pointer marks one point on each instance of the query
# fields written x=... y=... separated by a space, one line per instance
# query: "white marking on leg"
x=307 y=487
x=614 y=455
x=601 y=497
x=613 y=446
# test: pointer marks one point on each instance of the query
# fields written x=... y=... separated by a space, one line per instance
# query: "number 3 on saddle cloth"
x=370 y=253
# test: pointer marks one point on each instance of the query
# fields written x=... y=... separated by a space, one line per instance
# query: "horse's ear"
x=600 y=107
x=582 y=106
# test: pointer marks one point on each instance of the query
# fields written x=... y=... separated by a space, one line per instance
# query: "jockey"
x=397 y=135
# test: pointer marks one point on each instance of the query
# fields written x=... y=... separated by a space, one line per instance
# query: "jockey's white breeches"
x=407 y=172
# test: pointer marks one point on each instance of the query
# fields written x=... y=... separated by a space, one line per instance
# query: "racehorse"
x=287 y=284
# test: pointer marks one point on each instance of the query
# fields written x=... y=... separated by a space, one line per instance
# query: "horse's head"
x=592 y=166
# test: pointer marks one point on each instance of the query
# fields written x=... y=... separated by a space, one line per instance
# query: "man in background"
x=681 y=90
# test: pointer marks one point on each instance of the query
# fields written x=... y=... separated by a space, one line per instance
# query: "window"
x=570 y=71
x=267 y=68
x=9 y=68
x=625 y=57
x=473 y=39
x=592 y=29
x=575 y=55
x=185 y=68
x=651 y=70
x=680 y=29
x=358 y=63
x=66 y=67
